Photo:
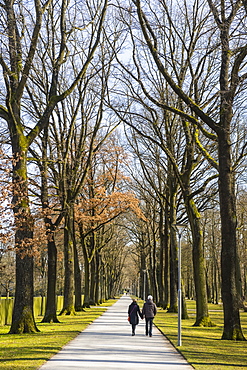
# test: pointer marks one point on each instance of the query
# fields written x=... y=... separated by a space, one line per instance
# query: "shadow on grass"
x=219 y=365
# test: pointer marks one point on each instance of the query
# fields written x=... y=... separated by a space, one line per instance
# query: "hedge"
x=6 y=308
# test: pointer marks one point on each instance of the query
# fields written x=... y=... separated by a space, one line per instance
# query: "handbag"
x=130 y=314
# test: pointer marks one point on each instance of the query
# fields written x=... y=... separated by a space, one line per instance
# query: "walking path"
x=107 y=344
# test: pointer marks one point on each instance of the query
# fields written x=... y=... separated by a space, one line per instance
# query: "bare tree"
x=214 y=111
x=20 y=36
x=101 y=202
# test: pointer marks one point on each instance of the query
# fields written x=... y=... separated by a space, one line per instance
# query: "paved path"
x=107 y=344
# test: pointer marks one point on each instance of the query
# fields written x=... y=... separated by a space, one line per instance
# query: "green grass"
x=29 y=351
x=203 y=347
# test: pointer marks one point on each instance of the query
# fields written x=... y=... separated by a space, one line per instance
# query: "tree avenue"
x=121 y=121
x=18 y=58
x=226 y=18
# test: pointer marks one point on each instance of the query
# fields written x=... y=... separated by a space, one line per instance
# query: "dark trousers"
x=133 y=328
x=149 y=325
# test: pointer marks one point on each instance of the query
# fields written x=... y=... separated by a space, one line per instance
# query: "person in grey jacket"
x=149 y=310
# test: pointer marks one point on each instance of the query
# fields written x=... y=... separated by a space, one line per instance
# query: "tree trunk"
x=161 y=302
x=208 y=276
x=229 y=259
x=77 y=273
x=78 y=302
x=202 y=316
x=68 y=307
x=143 y=275
x=92 y=281
x=97 y=279
x=107 y=294
x=167 y=259
x=23 y=317
x=154 y=269
x=103 y=283
x=86 y=303
x=184 y=306
x=51 y=303
x=173 y=305
x=86 y=269
x=152 y=264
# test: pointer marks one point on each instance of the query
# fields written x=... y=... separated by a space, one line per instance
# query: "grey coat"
x=149 y=309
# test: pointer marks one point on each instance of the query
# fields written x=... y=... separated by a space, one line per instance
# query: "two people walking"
x=149 y=310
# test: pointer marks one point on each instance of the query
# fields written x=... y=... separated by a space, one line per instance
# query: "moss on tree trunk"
x=23 y=318
x=202 y=316
x=229 y=254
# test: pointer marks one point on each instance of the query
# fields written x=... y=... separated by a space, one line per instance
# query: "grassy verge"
x=203 y=347
x=29 y=351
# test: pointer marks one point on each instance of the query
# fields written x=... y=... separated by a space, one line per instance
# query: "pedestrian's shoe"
x=133 y=334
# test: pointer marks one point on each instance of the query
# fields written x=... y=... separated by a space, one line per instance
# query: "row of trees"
x=174 y=75
x=188 y=69
x=158 y=262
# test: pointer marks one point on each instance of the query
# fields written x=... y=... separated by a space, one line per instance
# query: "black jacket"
x=133 y=312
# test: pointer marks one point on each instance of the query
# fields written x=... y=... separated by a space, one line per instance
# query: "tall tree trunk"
x=202 y=316
x=107 y=294
x=77 y=278
x=167 y=259
x=86 y=303
x=92 y=280
x=97 y=279
x=86 y=269
x=68 y=306
x=23 y=317
x=152 y=264
x=229 y=258
x=184 y=306
x=173 y=304
x=161 y=258
x=143 y=282
x=51 y=303
x=103 y=282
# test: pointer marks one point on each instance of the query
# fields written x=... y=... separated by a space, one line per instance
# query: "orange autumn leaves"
x=104 y=208
x=104 y=197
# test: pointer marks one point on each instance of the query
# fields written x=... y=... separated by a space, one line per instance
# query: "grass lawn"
x=203 y=347
x=29 y=351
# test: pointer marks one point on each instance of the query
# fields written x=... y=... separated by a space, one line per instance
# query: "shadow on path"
x=107 y=344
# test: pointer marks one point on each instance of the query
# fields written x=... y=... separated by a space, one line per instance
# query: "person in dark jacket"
x=134 y=313
x=149 y=310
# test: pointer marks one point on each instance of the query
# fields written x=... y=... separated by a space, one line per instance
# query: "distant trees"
x=98 y=205
x=7 y=273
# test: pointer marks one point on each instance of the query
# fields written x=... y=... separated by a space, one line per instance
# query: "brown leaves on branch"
x=104 y=208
